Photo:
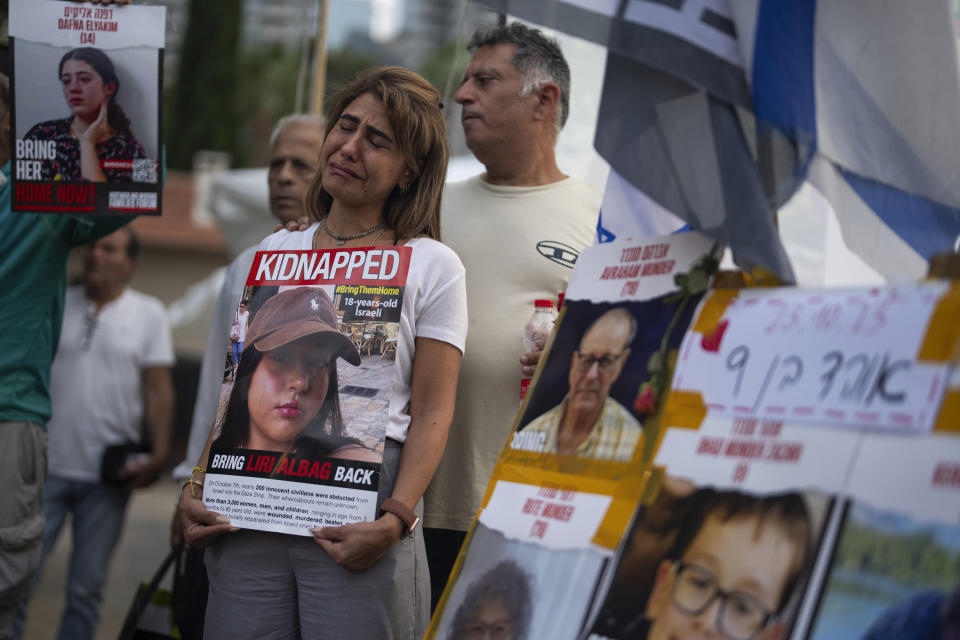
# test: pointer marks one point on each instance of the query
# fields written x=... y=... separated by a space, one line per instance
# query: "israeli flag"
x=858 y=98
x=869 y=91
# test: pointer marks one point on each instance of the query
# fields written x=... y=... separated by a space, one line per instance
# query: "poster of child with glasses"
x=713 y=563
x=588 y=400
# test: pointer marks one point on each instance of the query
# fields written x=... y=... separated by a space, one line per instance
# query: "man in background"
x=518 y=228
x=112 y=374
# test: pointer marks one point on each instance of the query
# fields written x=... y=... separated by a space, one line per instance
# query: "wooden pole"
x=944 y=265
x=320 y=61
x=729 y=279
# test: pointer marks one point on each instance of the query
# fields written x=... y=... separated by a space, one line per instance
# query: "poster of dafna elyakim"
x=86 y=115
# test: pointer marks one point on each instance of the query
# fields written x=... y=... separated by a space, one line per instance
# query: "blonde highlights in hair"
x=412 y=106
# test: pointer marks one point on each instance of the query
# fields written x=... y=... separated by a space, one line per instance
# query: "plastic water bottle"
x=536 y=332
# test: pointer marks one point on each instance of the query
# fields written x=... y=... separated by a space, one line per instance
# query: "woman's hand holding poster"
x=86 y=95
x=302 y=423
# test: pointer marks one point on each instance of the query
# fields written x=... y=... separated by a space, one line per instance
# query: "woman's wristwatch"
x=402 y=511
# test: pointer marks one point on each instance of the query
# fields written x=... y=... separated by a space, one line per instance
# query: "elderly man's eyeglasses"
x=741 y=615
x=584 y=362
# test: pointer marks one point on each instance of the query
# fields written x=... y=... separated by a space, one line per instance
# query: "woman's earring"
x=406 y=186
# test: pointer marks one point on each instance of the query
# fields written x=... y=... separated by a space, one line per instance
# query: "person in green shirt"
x=34 y=249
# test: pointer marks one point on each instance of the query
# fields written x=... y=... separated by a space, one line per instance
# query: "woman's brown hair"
x=413 y=108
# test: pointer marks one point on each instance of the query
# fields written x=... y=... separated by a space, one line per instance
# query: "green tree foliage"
x=266 y=91
x=204 y=110
x=227 y=97
x=914 y=559
x=267 y=88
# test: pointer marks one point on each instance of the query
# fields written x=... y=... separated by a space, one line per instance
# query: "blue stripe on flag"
x=927 y=226
x=603 y=235
x=783 y=82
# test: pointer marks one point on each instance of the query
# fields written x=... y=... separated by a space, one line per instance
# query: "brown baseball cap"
x=295 y=313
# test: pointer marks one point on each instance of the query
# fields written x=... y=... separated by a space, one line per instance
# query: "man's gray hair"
x=297 y=118
x=538 y=59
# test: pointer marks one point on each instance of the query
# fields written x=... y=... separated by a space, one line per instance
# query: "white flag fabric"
x=627 y=212
x=869 y=92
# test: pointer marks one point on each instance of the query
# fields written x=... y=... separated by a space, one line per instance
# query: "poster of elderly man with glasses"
x=588 y=422
x=604 y=369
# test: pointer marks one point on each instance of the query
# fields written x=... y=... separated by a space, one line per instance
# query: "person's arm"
x=211 y=379
x=201 y=527
x=158 y=410
x=98 y=131
x=436 y=367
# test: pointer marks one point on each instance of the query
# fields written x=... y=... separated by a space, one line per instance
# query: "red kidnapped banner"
x=381 y=266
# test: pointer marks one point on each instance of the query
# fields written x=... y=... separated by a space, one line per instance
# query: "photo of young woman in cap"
x=285 y=397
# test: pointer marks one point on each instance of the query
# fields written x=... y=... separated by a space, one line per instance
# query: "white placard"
x=552 y=518
x=68 y=24
x=286 y=506
x=832 y=357
x=759 y=455
x=560 y=585
x=635 y=269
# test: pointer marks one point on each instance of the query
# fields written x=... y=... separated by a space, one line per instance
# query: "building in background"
x=283 y=22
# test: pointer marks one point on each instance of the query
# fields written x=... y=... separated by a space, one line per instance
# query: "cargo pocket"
x=21 y=509
x=21 y=512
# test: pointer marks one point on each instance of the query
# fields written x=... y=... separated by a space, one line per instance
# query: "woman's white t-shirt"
x=434 y=306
